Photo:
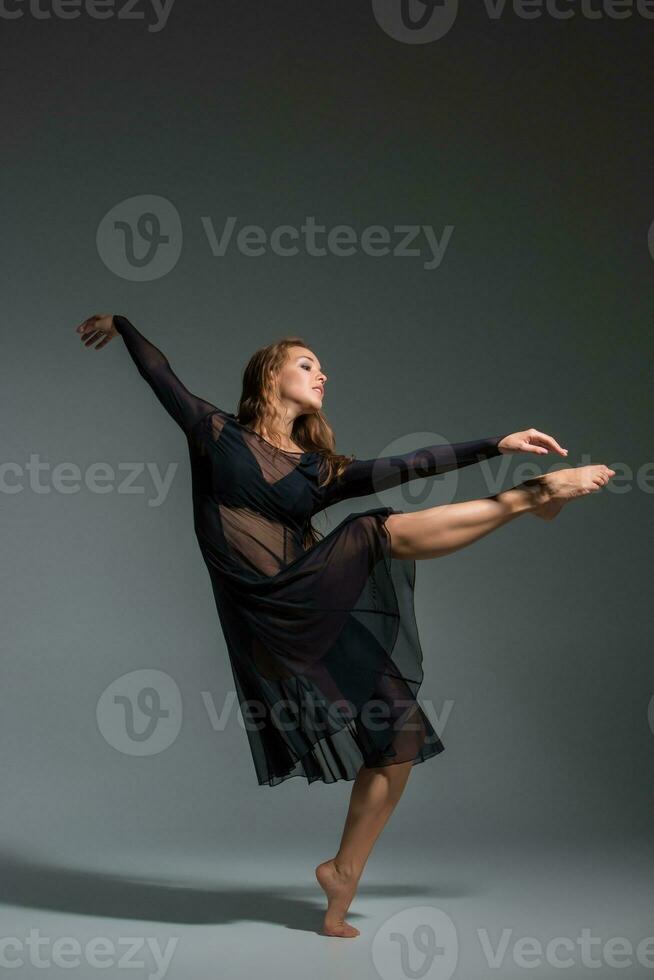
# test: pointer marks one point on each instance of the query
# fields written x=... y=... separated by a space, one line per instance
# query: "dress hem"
x=430 y=749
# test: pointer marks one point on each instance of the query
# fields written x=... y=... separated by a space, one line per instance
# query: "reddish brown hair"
x=312 y=432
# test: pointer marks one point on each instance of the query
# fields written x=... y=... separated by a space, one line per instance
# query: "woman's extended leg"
x=437 y=531
x=375 y=793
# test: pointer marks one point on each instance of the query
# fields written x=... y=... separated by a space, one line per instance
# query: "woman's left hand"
x=530 y=441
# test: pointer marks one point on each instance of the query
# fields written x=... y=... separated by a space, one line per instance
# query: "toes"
x=342 y=931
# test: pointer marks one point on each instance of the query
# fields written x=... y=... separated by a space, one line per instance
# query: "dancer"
x=321 y=630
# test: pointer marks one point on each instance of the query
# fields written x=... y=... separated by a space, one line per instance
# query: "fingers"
x=532 y=447
x=91 y=335
x=84 y=327
x=91 y=339
x=547 y=442
x=85 y=323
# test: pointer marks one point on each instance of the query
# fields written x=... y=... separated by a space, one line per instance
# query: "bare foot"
x=340 y=888
x=555 y=489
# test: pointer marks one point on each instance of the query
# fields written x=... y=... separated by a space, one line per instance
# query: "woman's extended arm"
x=364 y=476
x=184 y=407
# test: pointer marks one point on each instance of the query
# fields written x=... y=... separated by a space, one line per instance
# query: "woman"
x=321 y=630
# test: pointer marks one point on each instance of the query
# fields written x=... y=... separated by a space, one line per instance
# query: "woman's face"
x=301 y=380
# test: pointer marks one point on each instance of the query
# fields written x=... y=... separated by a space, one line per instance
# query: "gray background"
x=534 y=140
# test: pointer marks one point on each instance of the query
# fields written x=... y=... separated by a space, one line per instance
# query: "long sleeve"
x=185 y=408
x=365 y=476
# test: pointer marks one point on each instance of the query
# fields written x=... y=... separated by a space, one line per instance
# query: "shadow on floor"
x=102 y=894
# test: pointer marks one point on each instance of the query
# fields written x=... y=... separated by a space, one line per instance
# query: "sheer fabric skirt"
x=326 y=657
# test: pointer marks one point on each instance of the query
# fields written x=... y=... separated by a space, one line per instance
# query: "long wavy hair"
x=312 y=432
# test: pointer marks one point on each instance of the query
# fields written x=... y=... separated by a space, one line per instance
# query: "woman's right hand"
x=98 y=330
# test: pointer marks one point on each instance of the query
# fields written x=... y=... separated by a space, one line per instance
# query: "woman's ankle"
x=523 y=498
x=346 y=868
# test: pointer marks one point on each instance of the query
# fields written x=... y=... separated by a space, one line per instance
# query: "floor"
x=489 y=911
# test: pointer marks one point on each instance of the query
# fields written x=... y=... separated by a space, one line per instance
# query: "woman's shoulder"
x=211 y=423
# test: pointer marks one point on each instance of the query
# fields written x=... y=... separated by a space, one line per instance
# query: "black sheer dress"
x=323 y=642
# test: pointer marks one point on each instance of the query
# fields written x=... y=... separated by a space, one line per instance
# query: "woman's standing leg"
x=375 y=793
x=432 y=533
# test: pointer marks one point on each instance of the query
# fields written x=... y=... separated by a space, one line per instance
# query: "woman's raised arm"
x=153 y=366
x=365 y=476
